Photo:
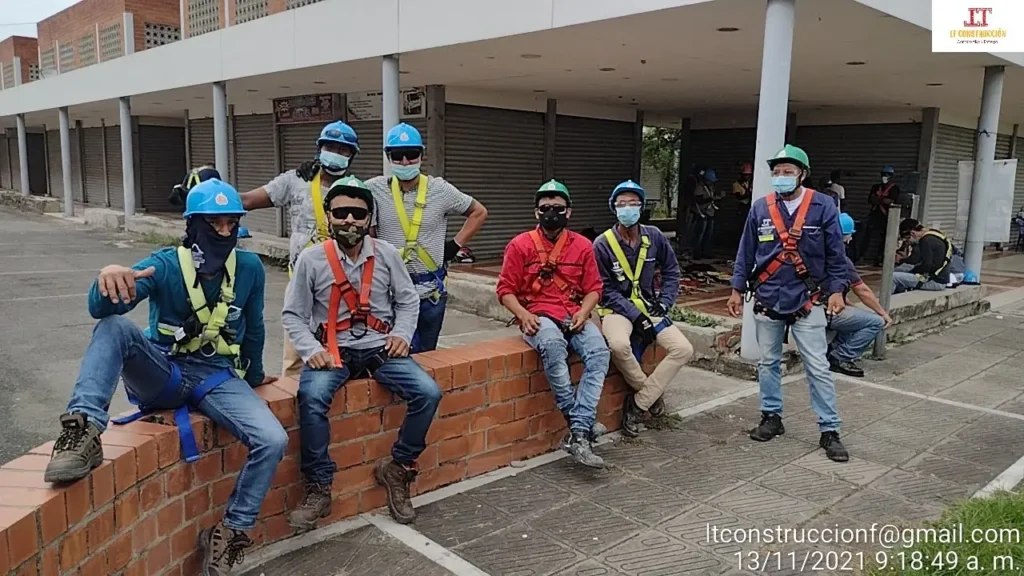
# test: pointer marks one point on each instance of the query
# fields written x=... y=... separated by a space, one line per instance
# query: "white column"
x=65 y=161
x=18 y=80
x=985 y=155
x=220 y=128
x=128 y=31
x=390 y=104
x=23 y=154
x=127 y=157
x=773 y=105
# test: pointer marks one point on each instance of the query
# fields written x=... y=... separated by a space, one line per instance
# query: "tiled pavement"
x=650 y=512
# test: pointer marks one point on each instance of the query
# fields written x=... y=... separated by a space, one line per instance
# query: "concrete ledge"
x=920 y=311
x=36 y=204
x=104 y=218
x=265 y=245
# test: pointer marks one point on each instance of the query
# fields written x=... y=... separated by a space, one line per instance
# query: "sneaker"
x=222 y=548
x=631 y=415
x=657 y=410
x=396 y=479
x=596 y=431
x=770 y=427
x=847 y=367
x=316 y=505
x=579 y=447
x=77 y=451
x=834 y=449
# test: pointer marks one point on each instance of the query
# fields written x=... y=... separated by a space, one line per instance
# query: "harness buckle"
x=434 y=297
x=208 y=350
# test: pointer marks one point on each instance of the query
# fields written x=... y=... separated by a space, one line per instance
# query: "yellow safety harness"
x=632 y=275
x=947 y=258
x=413 y=249
x=322 y=233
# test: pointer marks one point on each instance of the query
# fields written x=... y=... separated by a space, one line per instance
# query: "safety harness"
x=322 y=233
x=413 y=249
x=205 y=333
x=881 y=193
x=635 y=296
x=358 y=304
x=548 y=272
x=946 y=259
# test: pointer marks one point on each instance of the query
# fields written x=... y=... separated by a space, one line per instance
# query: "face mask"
x=628 y=215
x=406 y=172
x=333 y=163
x=553 y=221
x=348 y=235
x=785 y=184
x=209 y=249
x=885 y=179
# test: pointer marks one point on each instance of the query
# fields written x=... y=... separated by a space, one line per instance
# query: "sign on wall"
x=311 y=108
x=999 y=201
x=363 y=106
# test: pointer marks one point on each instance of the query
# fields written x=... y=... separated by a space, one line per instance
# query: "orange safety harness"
x=358 y=307
x=882 y=193
x=549 y=267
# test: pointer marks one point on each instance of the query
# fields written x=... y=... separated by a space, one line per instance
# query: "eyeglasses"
x=343 y=212
x=556 y=208
x=399 y=155
x=632 y=204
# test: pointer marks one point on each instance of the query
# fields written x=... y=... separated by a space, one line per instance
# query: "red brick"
x=534 y=405
x=53 y=519
x=539 y=383
x=355 y=426
x=372 y=498
x=549 y=422
x=222 y=490
x=22 y=535
x=147 y=458
x=126 y=510
x=346 y=455
x=276 y=528
x=184 y=541
x=507 y=433
x=100 y=529
x=178 y=480
x=450 y=427
x=612 y=420
x=428 y=459
x=125 y=467
x=294 y=442
x=102 y=479
x=281 y=404
x=478 y=371
x=440 y=476
x=234 y=457
x=338 y=403
x=460 y=374
x=532 y=446
x=507 y=389
x=166 y=438
x=442 y=371
x=191 y=564
x=197 y=502
x=492 y=416
x=224 y=437
x=119 y=553
x=287 y=471
x=72 y=549
x=158 y=557
x=294 y=494
x=531 y=361
x=394 y=415
x=29 y=462
x=22 y=479
x=496 y=367
x=514 y=364
x=462 y=400
x=144 y=533
x=151 y=494
x=459 y=448
x=49 y=562
x=289 y=385
x=170 y=517
x=488 y=461
x=343 y=507
x=379 y=396
x=5 y=553
x=380 y=446
x=95 y=566
x=357 y=398
x=207 y=468
x=610 y=403
x=575 y=372
x=273 y=503
x=354 y=479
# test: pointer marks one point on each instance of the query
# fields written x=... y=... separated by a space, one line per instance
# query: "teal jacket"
x=168 y=304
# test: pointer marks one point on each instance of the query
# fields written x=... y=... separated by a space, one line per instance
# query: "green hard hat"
x=553 y=188
x=351 y=186
x=792 y=155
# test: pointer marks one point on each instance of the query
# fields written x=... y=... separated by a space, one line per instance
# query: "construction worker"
x=550 y=283
x=834 y=188
x=742 y=190
x=792 y=263
x=633 y=312
x=412 y=214
x=881 y=197
x=351 y=309
x=202 y=351
x=855 y=328
x=301 y=191
x=705 y=208
x=929 y=262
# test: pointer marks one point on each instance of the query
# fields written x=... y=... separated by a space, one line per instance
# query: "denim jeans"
x=855 y=330
x=905 y=282
x=403 y=376
x=809 y=333
x=700 y=241
x=550 y=343
x=428 y=328
x=120 y=349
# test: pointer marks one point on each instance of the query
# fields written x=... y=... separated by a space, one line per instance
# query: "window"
x=67 y=57
x=9 y=75
x=299 y=3
x=87 y=50
x=203 y=16
x=161 y=34
x=33 y=72
x=48 y=60
x=111 y=45
x=246 y=10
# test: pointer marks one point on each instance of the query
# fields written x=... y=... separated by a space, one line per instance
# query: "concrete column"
x=232 y=150
x=227 y=15
x=18 y=80
x=638 y=145
x=773 y=105
x=127 y=157
x=791 y=126
x=435 y=130
x=129 y=33
x=106 y=171
x=96 y=44
x=46 y=157
x=80 y=136
x=23 y=154
x=137 y=159
x=985 y=155
x=220 y=128
x=65 y=161
x=188 y=142
x=550 y=133
x=391 y=103
x=183 y=12
x=926 y=159
x=685 y=160
x=1013 y=141
x=56 y=56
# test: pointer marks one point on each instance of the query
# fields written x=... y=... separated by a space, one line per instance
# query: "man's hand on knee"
x=321 y=361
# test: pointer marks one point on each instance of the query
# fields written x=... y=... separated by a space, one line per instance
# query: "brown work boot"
x=222 y=548
x=316 y=505
x=77 y=451
x=396 y=479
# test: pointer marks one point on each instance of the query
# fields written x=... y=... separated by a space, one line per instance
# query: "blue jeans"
x=550 y=343
x=855 y=329
x=700 y=241
x=809 y=333
x=428 y=328
x=120 y=349
x=905 y=282
x=403 y=376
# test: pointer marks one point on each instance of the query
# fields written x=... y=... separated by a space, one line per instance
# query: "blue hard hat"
x=710 y=175
x=243 y=232
x=403 y=136
x=627 y=186
x=887 y=170
x=846 y=224
x=339 y=132
x=213 y=198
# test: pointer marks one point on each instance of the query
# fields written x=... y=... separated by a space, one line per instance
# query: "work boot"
x=770 y=427
x=579 y=447
x=396 y=478
x=847 y=367
x=596 y=431
x=222 y=548
x=631 y=415
x=834 y=449
x=316 y=505
x=657 y=410
x=77 y=451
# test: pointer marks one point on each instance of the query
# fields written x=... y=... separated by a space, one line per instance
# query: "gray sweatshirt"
x=393 y=298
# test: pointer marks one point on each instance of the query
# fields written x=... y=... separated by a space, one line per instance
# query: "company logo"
x=404 y=137
x=978 y=17
x=964 y=26
x=221 y=199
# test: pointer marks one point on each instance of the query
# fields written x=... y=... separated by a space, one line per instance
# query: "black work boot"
x=396 y=479
x=77 y=451
x=631 y=415
x=596 y=431
x=579 y=447
x=657 y=410
x=834 y=449
x=770 y=427
x=315 y=505
x=222 y=548
x=847 y=367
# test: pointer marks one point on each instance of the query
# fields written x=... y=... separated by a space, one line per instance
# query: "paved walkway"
x=939 y=420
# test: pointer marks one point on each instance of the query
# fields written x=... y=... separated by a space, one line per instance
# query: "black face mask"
x=552 y=221
x=349 y=236
x=209 y=249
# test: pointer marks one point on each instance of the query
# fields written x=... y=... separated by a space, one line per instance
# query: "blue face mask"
x=784 y=184
x=628 y=215
x=333 y=163
x=403 y=172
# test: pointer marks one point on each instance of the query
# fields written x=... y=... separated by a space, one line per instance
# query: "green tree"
x=661 y=155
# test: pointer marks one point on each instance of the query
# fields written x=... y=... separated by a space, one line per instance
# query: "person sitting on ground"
x=351 y=309
x=192 y=356
x=549 y=281
x=929 y=260
x=633 y=312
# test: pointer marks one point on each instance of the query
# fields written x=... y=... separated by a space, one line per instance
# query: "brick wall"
x=22 y=47
x=139 y=512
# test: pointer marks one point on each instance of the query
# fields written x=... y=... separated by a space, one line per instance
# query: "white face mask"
x=885 y=179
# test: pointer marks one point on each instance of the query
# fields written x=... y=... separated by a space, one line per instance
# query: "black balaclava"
x=209 y=249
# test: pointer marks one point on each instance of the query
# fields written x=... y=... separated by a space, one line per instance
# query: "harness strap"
x=946 y=259
x=358 y=306
x=213 y=320
x=412 y=247
x=788 y=238
x=639 y=349
x=322 y=233
x=548 y=274
x=635 y=296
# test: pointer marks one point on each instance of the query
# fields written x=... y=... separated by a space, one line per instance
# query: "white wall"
x=946 y=117
x=531 y=102
x=827 y=117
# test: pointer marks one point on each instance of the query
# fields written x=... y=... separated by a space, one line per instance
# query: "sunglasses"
x=399 y=155
x=343 y=212
x=557 y=209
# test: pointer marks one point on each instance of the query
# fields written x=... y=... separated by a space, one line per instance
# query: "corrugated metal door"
x=952 y=144
x=95 y=189
x=162 y=163
x=53 y=152
x=254 y=157
x=201 y=142
x=76 y=167
x=14 y=155
x=371 y=145
x=1018 y=195
x=505 y=182
x=5 y=172
x=114 y=170
x=725 y=152
x=591 y=157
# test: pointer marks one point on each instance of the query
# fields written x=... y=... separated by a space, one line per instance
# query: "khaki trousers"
x=291 y=365
x=617 y=330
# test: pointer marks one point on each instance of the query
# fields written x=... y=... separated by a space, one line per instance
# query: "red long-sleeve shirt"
x=521 y=266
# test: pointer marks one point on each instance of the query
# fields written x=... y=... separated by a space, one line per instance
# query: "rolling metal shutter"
x=254 y=165
x=298 y=144
x=370 y=161
x=162 y=165
x=95 y=188
x=37 y=163
x=505 y=182
x=14 y=154
x=115 y=173
x=201 y=146
x=591 y=157
x=725 y=152
x=5 y=169
x=952 y=144
x=76 y=167
x=1018 y=194
x=53 y=163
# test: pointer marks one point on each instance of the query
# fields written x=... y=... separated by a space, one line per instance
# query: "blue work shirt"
x=820 y=246
x=168 y=304
x=617 y=288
